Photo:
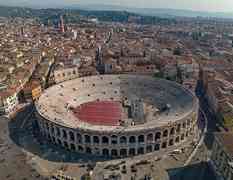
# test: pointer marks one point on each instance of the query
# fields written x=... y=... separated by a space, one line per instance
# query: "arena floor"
x=105 y=113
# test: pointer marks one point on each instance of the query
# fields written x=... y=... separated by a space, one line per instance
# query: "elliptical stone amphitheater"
x=118 y=115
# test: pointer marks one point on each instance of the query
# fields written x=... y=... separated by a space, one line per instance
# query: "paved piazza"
x=118 y=115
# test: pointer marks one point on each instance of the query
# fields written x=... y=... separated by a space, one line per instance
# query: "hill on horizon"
x=155 y=11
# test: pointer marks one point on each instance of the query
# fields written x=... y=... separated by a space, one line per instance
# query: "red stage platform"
x=106 y=113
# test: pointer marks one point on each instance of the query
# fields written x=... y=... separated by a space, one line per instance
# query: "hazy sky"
x=202 y=5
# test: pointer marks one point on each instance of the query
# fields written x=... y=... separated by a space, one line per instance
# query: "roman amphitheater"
x=118 y=115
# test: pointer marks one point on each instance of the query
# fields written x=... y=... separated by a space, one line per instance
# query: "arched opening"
x=105 y=152
x=178 y=128
x=80 y=149
x=182 y=137
x=141 y=139
x=88 y=150
x=187 y=134
x=52 y=130
x=184 y=125
x=72 y=147
x=66 y=145
x=58 y=132
x=79 y=138
x=132 y=152
x=59 y=142
x=188 y=122
x=141 y=150
x=97 y=151
x=164 y=145
x=114 y=153
x=123 y=140
x=87 y=139
x=47 y=126
x=123 y=152
x=149 y=149
x=165 y=133
x=49 y=137
x=53 y=139
x=64 y=134
x=71 y=134
x=150 y=137
x=171 y=142
x=172 y=131
x=96 y=140
x=114 y=139
x=177 y=139
x=157 y=147
x=132 y=139
x=157 y=136
x=105 y=140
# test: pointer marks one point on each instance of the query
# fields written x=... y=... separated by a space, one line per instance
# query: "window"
x=157 y=147
x=58 y=132
x=87 y=139
x=177 y=139
x=114 y=139
x=132 y=139
x=157 y=136
x=88 y=150
x=123 y=140
x=64 y=134
x=165 y=133
x=79 y=138
x=164 y=145
x=105 y=140
x=71 y=136
x=172 y=132
x=178 y=128
x=184 y=125
x=150 y=137
x=141 y=139
x=149 y=149
x=96 y=139
x=171 y=142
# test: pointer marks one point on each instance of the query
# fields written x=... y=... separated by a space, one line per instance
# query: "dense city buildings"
x=221 y=157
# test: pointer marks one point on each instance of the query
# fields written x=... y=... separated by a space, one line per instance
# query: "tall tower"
x=62 y=26
x=21 y=31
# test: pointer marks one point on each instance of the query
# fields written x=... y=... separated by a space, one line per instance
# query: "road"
x=200 y=141
x=211 y=117
x=210 y=127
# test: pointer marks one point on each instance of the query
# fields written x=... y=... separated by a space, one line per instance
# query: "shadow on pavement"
x=199 y=171
x=25 y=134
